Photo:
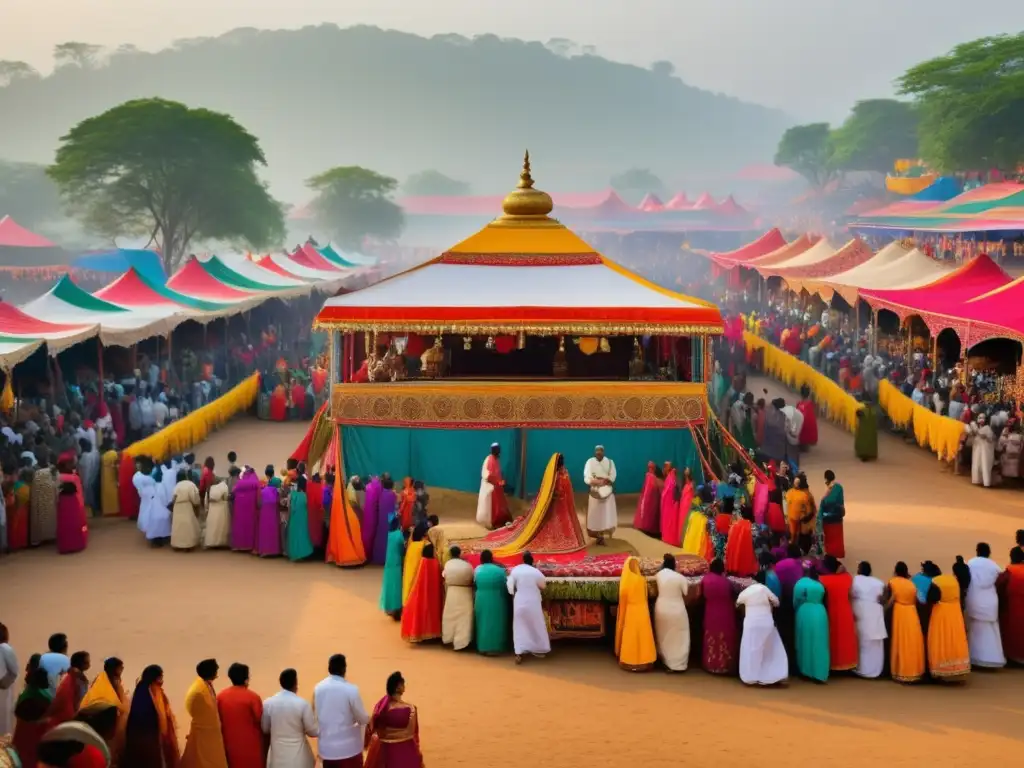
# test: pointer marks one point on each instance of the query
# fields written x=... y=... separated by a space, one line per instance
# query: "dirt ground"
x=575 y=708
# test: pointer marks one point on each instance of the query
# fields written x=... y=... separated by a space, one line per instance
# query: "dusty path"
x=575 y=708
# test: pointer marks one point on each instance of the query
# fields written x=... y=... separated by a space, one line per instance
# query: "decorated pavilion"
x=521 y=335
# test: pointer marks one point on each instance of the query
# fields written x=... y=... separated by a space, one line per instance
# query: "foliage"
x=434 y=183
x=634 y=183
x=353 y=203
x=177 y=173
x=876 y=134
x=663 y=68
x=28 y=195
x=972 y=105
x=10 y=71
x=807 y=150
x=465 y=106
x=81 y=55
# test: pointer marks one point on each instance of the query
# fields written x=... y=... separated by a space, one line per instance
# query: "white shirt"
x=160 y=413
x=342 y=717
x=289 y=719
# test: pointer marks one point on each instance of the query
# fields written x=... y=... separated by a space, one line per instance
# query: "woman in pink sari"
x=648 y=509
x=393 y=734
x=672 y=523
x=721 y=634
x=72 y=527
x=669 y=507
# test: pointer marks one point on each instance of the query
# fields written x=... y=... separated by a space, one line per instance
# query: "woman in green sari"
x=865 y=437
x=32 y=712
x=812 y=649
x=298 y=543
x=490 y=609
x=391 y=585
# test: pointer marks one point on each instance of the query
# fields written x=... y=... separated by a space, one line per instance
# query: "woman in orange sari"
x=421 y=616
x=151 y=739
x=740 y=559
x=906 y=644
x=843 y=649
x=949 y=659
x=1010 y=586
x=406 y=500
x=393 y=734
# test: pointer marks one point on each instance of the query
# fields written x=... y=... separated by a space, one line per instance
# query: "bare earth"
x=575 y=708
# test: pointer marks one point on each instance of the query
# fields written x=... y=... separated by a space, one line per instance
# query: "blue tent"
x=939 y=191
x=120 y=260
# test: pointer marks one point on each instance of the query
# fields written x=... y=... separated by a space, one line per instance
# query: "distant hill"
x=399 y=103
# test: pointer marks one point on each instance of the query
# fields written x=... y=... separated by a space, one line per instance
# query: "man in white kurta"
x=599 y=477
x=288 y=719
x=983 y=451
x=457 y=619
x=671 y=622
x=981 y=609
x=529 y=629
x=763 y=659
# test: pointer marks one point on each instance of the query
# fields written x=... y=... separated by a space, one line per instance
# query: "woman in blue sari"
x=812 y=654
x=391 y=585
x=298 y=544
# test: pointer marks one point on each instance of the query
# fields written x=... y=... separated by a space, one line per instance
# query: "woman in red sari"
x=740 y=558
x=406 y=500
x=393 y=734
x=72 y=525
x=648 y=508
x=279 y=403
x=421 y=616
x=669 y=506
x=842 y=630
x=809 y=430
x=1010 y=586
x=672 y=526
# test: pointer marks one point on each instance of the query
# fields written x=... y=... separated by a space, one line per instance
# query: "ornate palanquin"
x=537 y=404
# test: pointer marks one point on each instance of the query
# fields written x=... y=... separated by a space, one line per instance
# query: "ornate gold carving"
x=539 y=404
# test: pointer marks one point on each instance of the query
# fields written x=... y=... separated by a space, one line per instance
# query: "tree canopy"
x=876 y=134
x=353 y=203
x=177 y=174
x=972 y=105
x=28 y=194
x=807 y=150
x=634 y=183
x=10 y=71
x=434 y=183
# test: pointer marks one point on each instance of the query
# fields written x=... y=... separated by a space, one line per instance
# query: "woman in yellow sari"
x=948 y=657
x=413 y=555
x=107 y=691
x=634 y=635
x=108 y=480
x=695 y=537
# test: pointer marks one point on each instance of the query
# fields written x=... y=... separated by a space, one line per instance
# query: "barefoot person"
x=599 y=477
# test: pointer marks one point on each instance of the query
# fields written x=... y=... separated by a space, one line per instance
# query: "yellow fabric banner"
x=939 y=434
x=181 y=435
x=833 y=402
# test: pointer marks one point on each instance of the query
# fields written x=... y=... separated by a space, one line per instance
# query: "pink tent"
x=947 y=296
x=770 y=241
x=651 y=203
x=705 y=203
x=679 y=203
x=13 y=235
x=730 y=207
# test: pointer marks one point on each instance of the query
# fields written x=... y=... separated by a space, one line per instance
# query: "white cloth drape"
x=870 y=617
x=671 y=622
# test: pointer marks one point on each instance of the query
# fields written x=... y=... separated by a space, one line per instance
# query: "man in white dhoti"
x=529 y=628
x=763 y=659
x=457 y=619
x=671 y=622
x=981 y=609
x=492 y=506
x=9 y=674
x=599 y=477
x=288 y=719
x=866 y=596
x=983 y=451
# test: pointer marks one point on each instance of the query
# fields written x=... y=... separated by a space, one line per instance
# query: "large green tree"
x=972 y=105
x=353 y=203
x=28 y=195
x=807 y=149
x=877 y=133
x=11 y=71
x=177 y=174
x=434 y=183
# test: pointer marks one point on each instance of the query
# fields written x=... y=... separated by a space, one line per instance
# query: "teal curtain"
x=630 y=449
x=443 y=458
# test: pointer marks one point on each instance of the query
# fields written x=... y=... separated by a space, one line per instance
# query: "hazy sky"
x=811 y=57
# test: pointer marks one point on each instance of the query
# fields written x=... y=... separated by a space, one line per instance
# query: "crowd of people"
x=235 y=728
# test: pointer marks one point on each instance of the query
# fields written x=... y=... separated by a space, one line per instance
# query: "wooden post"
x=522 y=463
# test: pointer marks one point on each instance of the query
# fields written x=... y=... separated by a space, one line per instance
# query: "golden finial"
x=525 y=202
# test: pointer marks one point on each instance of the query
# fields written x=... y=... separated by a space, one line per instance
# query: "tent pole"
x=522 y=463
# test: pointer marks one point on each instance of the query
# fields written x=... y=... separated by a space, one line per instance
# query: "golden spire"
x=525 y=202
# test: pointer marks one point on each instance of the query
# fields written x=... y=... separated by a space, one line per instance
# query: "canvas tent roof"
x=14 y=350
x=134 y=291
x=651 y=202
x=121 y=260
x=770 y=241
x=13 y=235
x=15 y=323
x=786 y=252
x=853 y=253
x=819 y=251
x=522 y=272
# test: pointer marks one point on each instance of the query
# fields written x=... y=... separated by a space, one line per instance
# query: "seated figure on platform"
x=492 y=506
